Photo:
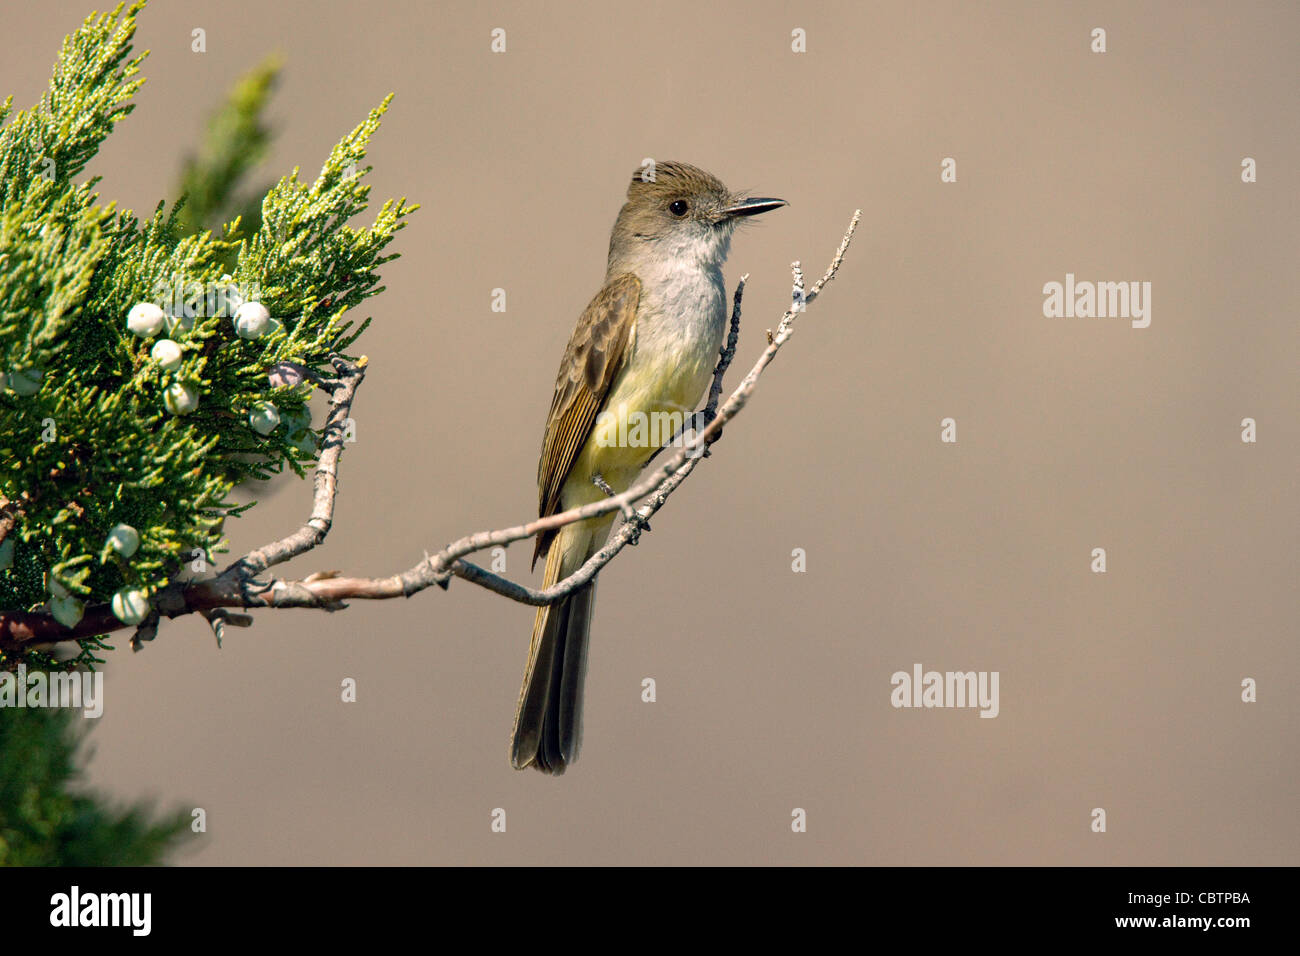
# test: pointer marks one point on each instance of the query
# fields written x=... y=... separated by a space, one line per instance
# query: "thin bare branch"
x=342 y=391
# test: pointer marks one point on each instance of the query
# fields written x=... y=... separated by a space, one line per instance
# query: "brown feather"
x=591 y=361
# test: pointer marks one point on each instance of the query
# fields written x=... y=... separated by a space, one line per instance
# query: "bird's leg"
x=629 y=513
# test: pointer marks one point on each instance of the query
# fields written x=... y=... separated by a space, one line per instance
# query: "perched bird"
x=642 y=353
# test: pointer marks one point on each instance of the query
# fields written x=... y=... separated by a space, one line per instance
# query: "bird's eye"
x=678 y=207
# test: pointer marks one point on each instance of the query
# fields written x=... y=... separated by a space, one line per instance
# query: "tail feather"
x=548 y=720
x=573 y=672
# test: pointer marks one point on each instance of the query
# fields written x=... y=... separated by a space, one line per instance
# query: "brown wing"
x=592 y=359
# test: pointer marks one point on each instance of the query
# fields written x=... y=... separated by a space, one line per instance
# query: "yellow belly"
x=646 y=407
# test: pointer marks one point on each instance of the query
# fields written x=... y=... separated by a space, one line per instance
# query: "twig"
x=342 y=391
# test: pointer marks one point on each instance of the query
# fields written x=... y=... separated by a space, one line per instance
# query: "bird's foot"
x=630 y=514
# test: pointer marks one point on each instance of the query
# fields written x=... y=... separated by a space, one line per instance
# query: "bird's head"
x=683 y=210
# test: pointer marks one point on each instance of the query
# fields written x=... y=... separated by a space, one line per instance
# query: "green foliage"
x=98 y=444
x=236 y=140
x=43 y=824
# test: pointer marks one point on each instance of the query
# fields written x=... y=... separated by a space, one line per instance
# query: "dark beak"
x=752 y=207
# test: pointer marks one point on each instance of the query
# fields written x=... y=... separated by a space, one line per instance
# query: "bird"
x=642 y=351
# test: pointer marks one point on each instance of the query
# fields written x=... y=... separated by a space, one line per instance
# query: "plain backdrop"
x=1119 y=691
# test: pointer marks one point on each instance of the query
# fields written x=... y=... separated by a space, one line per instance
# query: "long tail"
x=548 y=720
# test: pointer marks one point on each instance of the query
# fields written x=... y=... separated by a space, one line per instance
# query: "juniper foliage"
x=46 y=819
x=94 y=431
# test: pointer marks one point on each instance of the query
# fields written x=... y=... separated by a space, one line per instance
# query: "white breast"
x=679 y=327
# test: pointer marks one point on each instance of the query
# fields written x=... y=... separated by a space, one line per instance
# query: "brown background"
x=1118 y=690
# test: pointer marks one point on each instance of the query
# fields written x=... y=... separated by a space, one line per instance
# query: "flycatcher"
x=642 y=353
